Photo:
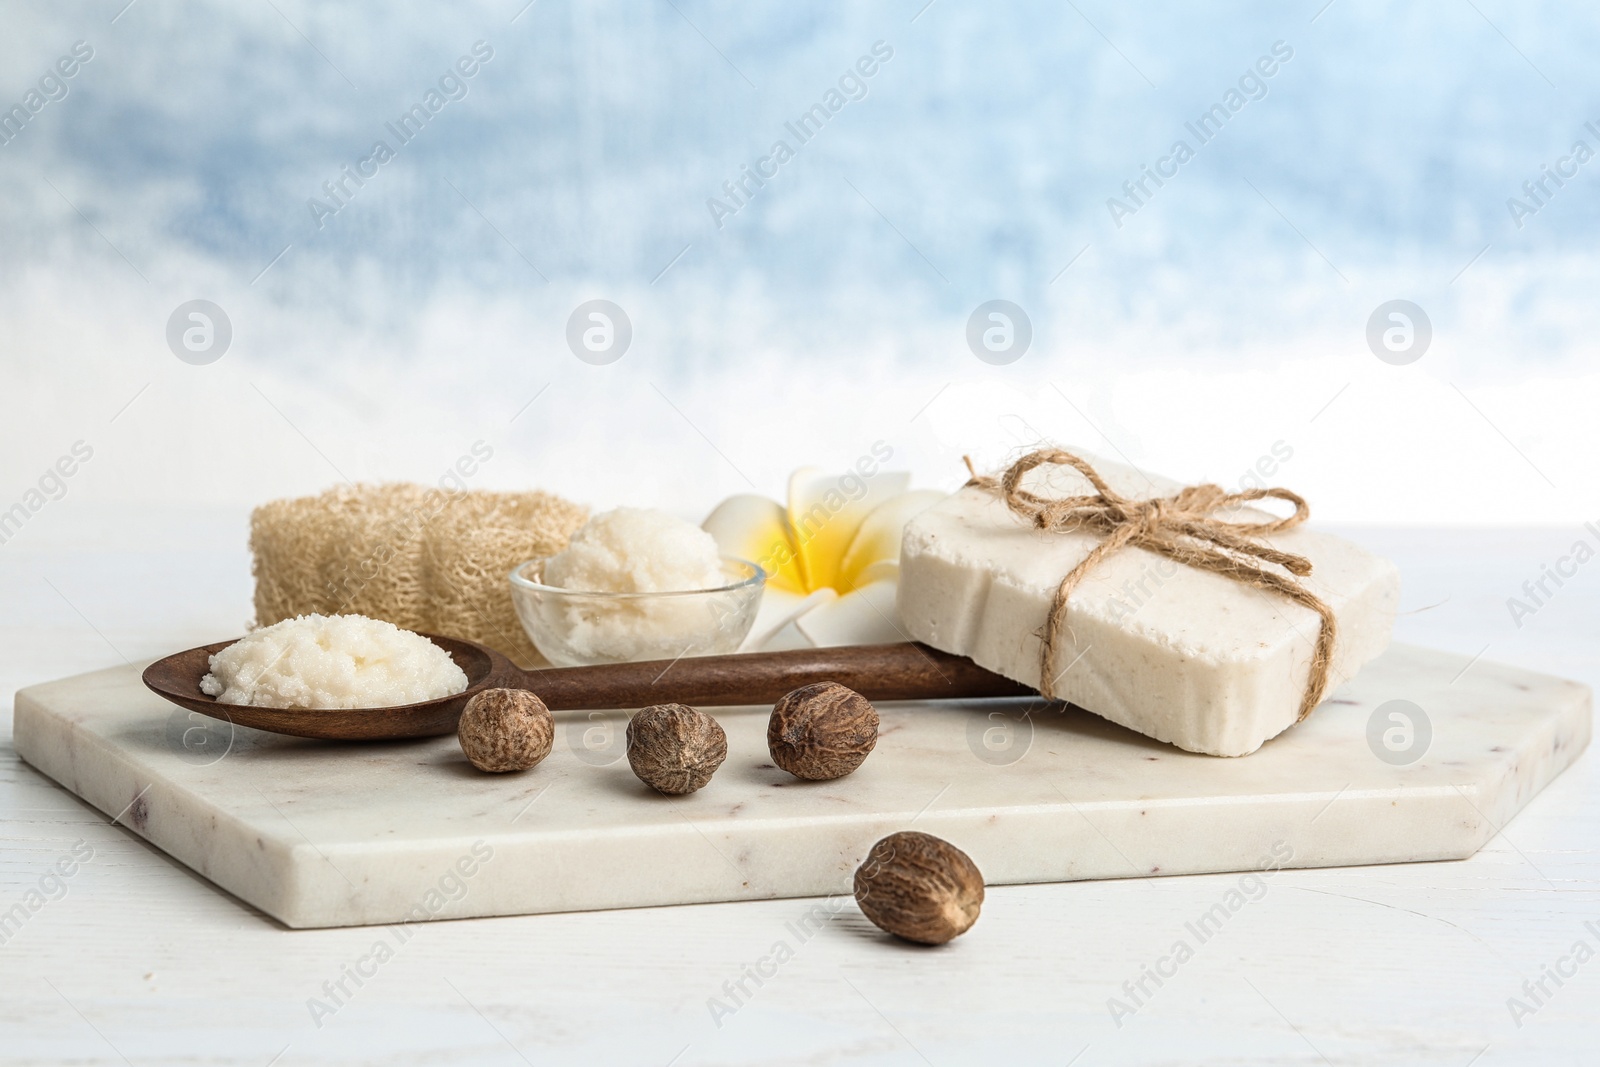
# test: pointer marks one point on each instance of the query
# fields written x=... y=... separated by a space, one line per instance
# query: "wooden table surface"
x=134 y=959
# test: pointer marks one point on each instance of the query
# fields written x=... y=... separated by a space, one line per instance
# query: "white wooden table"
x=134 y=959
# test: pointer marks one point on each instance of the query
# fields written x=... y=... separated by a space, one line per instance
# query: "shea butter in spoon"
x=332 y=662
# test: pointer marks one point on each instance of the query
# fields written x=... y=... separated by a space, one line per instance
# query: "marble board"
x=1424 y=756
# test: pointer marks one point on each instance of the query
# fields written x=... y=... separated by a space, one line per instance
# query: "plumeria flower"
x=832 y=556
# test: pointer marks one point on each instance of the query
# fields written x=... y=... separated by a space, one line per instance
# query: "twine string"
x=1181 y=527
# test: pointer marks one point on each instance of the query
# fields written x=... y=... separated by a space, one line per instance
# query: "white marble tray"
x=325 y=834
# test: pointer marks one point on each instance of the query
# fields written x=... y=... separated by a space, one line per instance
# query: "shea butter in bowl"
x=636 y=584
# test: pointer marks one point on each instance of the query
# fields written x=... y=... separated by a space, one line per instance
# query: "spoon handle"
x=905 y=671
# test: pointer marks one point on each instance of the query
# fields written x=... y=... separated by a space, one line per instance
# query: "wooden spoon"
x=906 y=671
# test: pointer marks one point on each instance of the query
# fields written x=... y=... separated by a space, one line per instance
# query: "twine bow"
x=1180 y=527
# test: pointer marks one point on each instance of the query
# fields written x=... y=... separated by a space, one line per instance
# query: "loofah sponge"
x=289 y=539
x=419 y=557
x=469 y=552
x=373 y=564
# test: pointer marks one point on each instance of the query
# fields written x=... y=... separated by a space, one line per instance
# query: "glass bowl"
x=578 y=629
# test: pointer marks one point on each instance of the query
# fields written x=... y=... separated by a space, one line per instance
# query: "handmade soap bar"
x=1179 y=654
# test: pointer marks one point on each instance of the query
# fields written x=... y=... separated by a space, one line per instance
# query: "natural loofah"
x=289 y=539
x=471 y=549
x=419 y=557
x=373 y=564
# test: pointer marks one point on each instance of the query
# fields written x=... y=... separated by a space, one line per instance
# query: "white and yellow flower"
x=832 y=556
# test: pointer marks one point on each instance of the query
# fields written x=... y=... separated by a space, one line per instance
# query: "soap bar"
x=1179 y=654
